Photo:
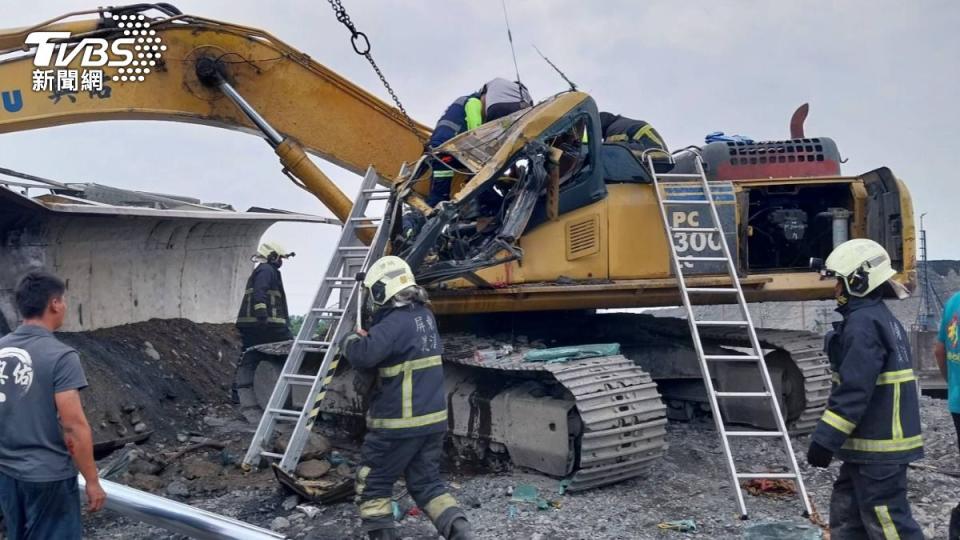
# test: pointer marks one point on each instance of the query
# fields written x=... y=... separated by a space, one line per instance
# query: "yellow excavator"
x=546 y=227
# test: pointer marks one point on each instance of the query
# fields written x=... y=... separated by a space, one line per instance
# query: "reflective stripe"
x=375 y=508
x=895 y=377
x=647 y=131
x=835 y=377
x=884 y=445
x=886 y=523
x=897 y=430
x=277 y=320
x=450 y=124
x=260 y=305
x=412 y=422
x=473 y=113
x=438 y=505
x=410 y=365
x=443 y=174
x=620 y=137
x=838 y=422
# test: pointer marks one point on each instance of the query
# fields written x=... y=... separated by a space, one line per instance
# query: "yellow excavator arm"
x=222 y=75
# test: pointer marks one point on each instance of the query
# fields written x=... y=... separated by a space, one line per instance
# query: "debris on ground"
x=683 y=525
x=776 y=487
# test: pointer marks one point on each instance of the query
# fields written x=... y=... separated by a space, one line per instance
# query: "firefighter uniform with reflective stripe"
x=407 y=419
x=263 y=312
x=635 y=134
x=872 y=423
x=462 y=115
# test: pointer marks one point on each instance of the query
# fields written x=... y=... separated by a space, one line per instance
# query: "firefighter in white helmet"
x=263 y=316
x=407 y=419
x=872 y=420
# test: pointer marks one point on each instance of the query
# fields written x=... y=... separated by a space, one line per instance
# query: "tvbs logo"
x=130 y=58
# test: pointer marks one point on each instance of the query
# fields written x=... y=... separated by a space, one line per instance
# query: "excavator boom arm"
x=304 y=101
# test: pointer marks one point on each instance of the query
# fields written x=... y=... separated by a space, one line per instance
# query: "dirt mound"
x=154 y=376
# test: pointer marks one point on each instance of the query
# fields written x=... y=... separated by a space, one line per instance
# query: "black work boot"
x=461 y=530
x=384 y=534
x=954 y=532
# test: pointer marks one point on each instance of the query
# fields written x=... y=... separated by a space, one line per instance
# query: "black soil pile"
x=155 y=376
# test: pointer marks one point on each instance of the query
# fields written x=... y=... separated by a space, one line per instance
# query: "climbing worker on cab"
x=635 y=134
x=407 y=418
x=498 y=98
x=263 y=313
x=872 y=420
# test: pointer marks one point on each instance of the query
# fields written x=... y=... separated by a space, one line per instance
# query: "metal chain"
x=361 y=45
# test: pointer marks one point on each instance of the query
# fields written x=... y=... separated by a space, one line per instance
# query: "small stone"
x=182 y=437
x=135 y=418
x=214 y=421
x=129 y=408
x=344 y=470
x=313 y=468
x=113 y=417
x=309 y=511
x=147 y=482
x=317 y=446
x=143 y=466
x=121 y=430
x=200 y=468
x=140 y=427
x=279 y=524
x=178 y=488
x=296 y=517
x=150 y=351
x=290 y=502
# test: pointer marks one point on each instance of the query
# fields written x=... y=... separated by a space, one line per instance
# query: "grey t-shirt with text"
x=35 y=365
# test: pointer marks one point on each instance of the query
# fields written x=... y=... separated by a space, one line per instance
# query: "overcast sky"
x=881 y=78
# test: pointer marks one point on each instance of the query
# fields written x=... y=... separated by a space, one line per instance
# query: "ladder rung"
x=284 y=412
x=308 y=343
x=695 y=258
x=742 y=394
x=376 y=190
x=694 y=201
x=766 y=475
x=730 y=357
x=694 y=229
x=299 y=379
x=721 y=323
x=754 y=434
x=709 y=290
x=678 y=175
x=341 y=285
x=272 y=455
x=353 y=248
x=327 y=310
x=355 y=219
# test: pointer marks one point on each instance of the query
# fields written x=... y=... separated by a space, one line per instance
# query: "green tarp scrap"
x=526 y=493
x=577 y=352
x=782 y=530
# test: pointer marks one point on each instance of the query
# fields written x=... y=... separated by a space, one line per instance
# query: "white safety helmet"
x=386 y=277
x=862 y=265
x=269 y=247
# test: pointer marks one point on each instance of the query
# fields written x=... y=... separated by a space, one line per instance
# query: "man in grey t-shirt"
x=44 y=435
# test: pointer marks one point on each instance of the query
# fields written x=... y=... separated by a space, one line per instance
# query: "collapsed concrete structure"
x=128 y=256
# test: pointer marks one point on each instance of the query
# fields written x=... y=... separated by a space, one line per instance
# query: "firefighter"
x=635 y=134
x=496 y=99
x=263 y=313
x=407 y=418
x=872 y=420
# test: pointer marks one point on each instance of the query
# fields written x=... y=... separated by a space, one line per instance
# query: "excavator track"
x=804 y=350
x=623 y=420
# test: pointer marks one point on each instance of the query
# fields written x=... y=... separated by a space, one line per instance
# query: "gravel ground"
x=690 y=483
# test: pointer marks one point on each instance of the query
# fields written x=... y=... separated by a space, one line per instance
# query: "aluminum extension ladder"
x=734 y=289
x=349 y=257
